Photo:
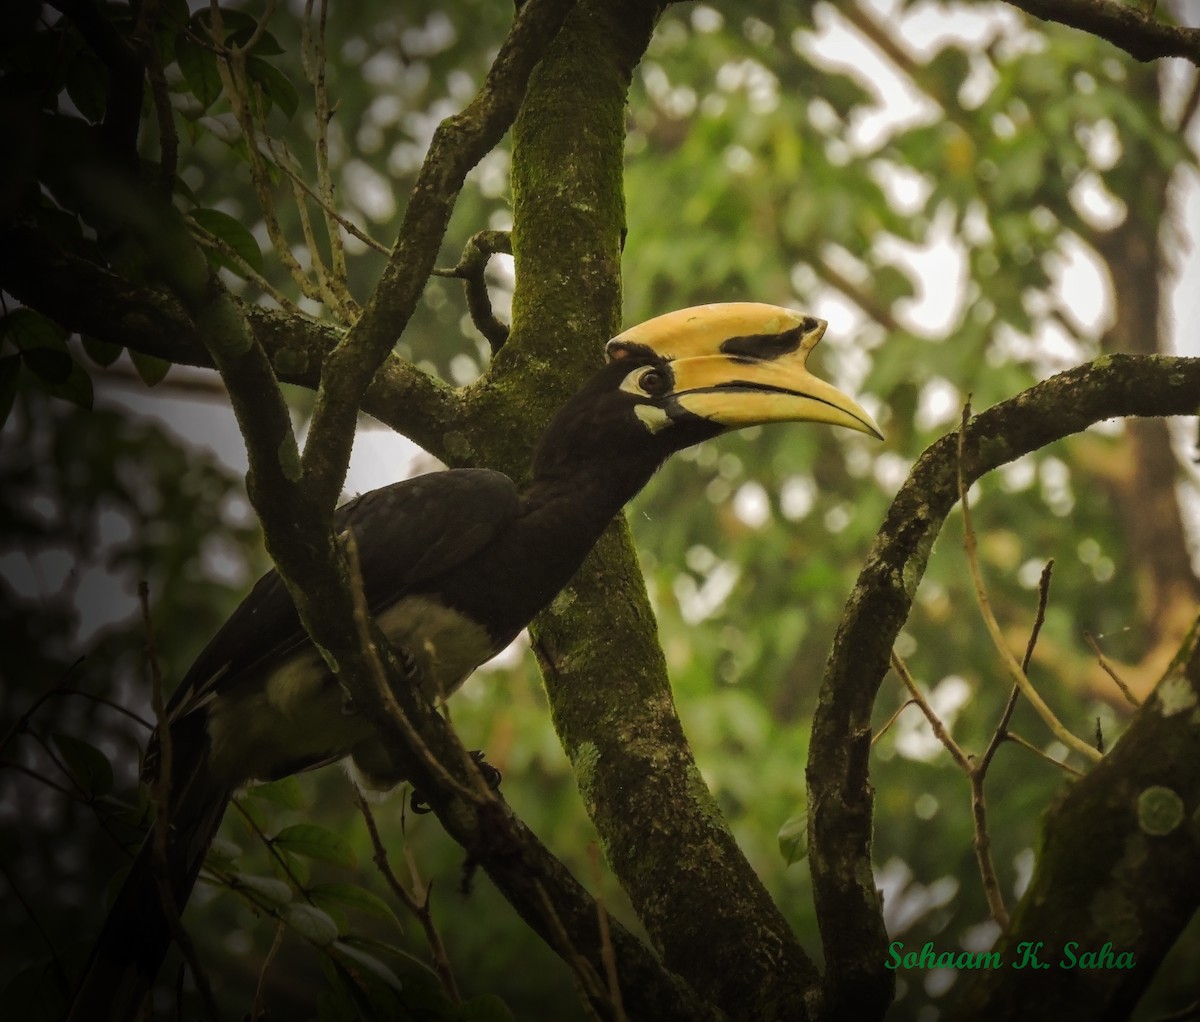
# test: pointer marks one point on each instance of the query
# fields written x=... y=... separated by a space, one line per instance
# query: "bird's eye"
x=653 y=382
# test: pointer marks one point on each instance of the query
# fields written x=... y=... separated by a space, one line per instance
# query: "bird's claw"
x=408 y=662
x=491 y=776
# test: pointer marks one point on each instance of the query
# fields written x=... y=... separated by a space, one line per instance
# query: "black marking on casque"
x=765 y=347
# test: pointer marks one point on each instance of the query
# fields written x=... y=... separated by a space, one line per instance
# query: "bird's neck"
x=586 y=496
x=561 y=518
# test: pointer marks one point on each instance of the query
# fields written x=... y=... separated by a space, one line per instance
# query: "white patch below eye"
x=653 y=417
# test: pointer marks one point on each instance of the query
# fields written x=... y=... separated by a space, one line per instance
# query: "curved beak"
x=737 y=392
x=742 y=364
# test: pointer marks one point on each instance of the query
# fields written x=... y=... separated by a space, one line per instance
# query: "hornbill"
x=454 y=564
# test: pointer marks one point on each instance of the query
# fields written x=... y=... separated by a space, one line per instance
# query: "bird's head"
x=729 y=365
x=693 y=374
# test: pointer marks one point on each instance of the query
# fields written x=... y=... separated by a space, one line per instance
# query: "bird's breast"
x=445 y=644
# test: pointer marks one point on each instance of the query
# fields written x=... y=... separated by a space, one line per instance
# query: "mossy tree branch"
x=840 y=797
x=663 y=834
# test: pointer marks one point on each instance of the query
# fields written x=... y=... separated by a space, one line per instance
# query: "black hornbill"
x=454 y=565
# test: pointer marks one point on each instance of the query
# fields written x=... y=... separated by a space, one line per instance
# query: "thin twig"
x=259 y=28
x=567 y=951
x=274 y=852
x=209 y=240
x=257 y=1010
x=37 y=925
x=83 y=796
x=983 y=838
x=160 y=791
x=22 y=721
x=607 y=955
x=939 y=729
x=1007 y=660
x=418 y=907
x=331 y=286
x=231 y=66
x=1108 y=669
x=892 y=720
x=285 y=164
x=1001 y=732
x=168 y=137
x=1026 y=744
x=314 y=61
x=21 y=768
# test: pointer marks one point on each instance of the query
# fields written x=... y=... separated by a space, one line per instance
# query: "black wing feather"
x=408 y=534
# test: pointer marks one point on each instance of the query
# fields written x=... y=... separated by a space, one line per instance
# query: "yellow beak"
x=742 y=364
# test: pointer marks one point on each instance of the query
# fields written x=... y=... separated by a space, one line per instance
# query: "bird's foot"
x=491 y=776
x=408 y=662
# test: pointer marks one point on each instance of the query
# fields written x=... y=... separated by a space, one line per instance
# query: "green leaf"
x=223 y=850
x=234 y=234
x=88 y=766
x=276 y=85
x=311 y=923
x=29 y=329
x=316 y=842
x=286 y=793
x=10 y=372
x=76 y=388
x=149 y=367
x=793 y=839
x=352 y=896
x=48 y=364
x=264 y=890
x=103 y=353
x=199 y=67
x=373 y=965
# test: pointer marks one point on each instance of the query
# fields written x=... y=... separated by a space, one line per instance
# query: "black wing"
x=408 y=534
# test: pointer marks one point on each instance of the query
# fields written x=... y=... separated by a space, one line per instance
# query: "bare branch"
x=1139 y=795
x=1108 y=669
x=418 y=907
x=470 y=269
x=840 y=800
x=935 y=722
x=1007 y=660
x=1139 y=33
